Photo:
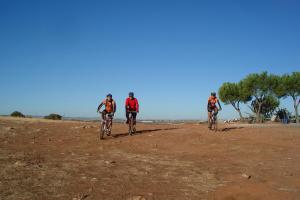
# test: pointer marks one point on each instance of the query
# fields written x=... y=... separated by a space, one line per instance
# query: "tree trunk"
x=258 y=114
x=241 y=116
x=258 y=117
x=296 y=110
x=237 y=108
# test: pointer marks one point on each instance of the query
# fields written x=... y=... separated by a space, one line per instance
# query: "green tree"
x=268 y=107
x=53 y=117
x=261 y=87
x=290 y=87
x=232 y=93
x=17 y=114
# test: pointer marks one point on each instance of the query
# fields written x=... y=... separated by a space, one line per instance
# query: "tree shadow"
x=139 y=132
x=230 y=128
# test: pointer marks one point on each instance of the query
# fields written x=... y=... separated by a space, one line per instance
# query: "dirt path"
x=41 y=159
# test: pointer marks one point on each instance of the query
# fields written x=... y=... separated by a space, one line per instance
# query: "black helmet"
x=109 y=95
x=213 y=94
x=131 y=94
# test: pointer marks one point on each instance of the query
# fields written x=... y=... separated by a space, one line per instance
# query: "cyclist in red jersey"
x=131 y=105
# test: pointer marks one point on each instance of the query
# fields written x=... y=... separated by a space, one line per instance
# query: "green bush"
x=17 y=114
x=53 y=117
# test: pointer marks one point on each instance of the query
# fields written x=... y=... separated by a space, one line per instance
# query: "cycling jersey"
x=110 y=106
x=212 y=101
x=132 y=104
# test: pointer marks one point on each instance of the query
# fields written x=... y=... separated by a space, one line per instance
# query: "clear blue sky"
x=65 y=56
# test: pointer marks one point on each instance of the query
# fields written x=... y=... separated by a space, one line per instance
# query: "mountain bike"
x=131 y=123
x=213 y=122
x=106 y=125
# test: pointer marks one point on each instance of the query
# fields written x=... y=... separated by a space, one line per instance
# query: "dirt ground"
x=42 y=160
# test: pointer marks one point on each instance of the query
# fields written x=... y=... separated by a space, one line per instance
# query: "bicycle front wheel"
x=102 y=131
x=130 y=131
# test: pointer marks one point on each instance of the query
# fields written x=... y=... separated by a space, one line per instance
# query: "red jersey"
x=132 y=104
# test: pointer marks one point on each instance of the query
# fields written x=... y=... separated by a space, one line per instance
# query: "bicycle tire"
x=102 y=131
x=215 y=124
x=130 y=126
x=211 y=124
x=108 y=128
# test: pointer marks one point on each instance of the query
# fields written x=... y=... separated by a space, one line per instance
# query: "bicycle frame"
x=106 y=125
x=214 y=122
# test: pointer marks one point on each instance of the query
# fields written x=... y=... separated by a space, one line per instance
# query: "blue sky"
x=65 y=56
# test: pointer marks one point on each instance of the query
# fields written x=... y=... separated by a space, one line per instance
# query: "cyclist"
x=110 y=107
x=212 y=106
x=131 y=106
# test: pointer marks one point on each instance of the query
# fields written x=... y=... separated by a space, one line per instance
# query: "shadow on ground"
x=143 y=131
x=229 y=129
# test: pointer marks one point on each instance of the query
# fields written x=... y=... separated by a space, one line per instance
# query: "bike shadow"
x=230 y=128
x=139 y=132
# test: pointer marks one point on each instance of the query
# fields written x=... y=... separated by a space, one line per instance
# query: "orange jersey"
x=212 y=101
x=109 y=105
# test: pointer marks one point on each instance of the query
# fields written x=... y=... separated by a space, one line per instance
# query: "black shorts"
x=109 y=114
x=134 y=114
x=211 y=109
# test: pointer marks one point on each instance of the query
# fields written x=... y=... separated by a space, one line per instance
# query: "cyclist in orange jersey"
x=212 y=106
x=110 y=106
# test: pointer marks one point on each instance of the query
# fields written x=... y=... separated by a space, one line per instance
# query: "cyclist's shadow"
x=139 y=132
x=230 y=128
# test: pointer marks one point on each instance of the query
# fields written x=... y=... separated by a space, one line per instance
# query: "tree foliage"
x=268 y=107
x=17 y=114
x=53 y=117
x=262 y=88
x=290 y=87
x=233 y=93
x=265 y=90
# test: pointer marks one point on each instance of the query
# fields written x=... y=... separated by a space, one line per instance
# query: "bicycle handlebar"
x=132 y=111
x=101 y=112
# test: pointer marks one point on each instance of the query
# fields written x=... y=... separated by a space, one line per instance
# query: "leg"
x=104 y=115
x=109 y=125
x=134 y=118
x=215 y=119
x=127 y=117
x=216 y=111
x=209 y=117
x=130 y=122
x=111 y=122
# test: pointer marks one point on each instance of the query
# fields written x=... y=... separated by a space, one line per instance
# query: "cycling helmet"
x=131 y=94
x=213 y=94
x=109 y=95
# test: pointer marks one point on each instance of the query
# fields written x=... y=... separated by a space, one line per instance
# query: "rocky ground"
x=42 y=159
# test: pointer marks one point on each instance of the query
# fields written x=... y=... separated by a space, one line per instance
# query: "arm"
x=100 y=106
x=219 y=105
x=208 y=103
